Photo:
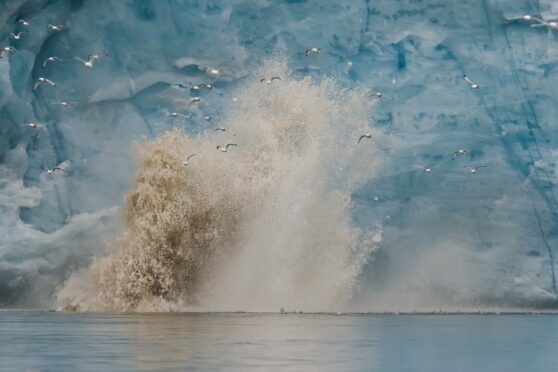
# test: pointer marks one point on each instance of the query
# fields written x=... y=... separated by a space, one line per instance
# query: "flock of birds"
x=94 y=57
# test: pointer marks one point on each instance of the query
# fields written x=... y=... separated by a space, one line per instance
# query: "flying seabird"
x=7 y=50
x=226 y=148
x=550 y=25
x=367 y=135
x=189 y=157
x=380 y=95
x=87 y=63
x=270 y=80
x=312 y=50
x=194 y=100
x=42 y=80
x=475 y=168
x=51 y=171
x=471 y=83
x=34 y=125
x=51 y=59
x=55 y=27
x=525 y=17
x=64 y=103
x=213 y=72
x=17 y=36
x=202 y=86
x=207 y=118
x=25 y=22
x=220 y=129
x=428 y=169
x=457 y=153
x=175 y=114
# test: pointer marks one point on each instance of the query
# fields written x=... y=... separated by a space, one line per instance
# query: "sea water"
x=48 y=341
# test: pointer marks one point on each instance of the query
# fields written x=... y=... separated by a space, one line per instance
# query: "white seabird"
x=312 y=50
x=459 y=152
x=525 y=17
x=7 y=50
x=367 y=135
x=17 y=36
x=34 y=125
x=189 y=157
x=428 y=169
x=471 y=83
x=475 y=168
x=51 y=171
x=51 y=59
x=55 y=27
x=42 y=80
x=176 y=114
x=194 y=100
x=380 y=95
x=87 y=63
x=226 y=148
x=550 y=25
x=213 y=72
x=64 y=103
x=25 y=22
x=201 y=86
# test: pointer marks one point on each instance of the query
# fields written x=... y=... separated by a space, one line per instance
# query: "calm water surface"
x=43 y=341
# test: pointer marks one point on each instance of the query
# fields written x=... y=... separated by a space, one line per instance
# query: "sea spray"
x=263 y=226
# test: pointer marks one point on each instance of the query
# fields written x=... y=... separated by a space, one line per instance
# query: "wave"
x=263 y=226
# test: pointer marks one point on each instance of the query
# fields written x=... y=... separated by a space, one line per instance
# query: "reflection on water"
x=93 y=342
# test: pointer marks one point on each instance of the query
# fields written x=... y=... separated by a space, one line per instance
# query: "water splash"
x=263 y=226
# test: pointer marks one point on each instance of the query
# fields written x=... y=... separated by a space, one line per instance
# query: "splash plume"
x=264 y=225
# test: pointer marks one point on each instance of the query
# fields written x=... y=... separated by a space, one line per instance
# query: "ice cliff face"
x=450 y=238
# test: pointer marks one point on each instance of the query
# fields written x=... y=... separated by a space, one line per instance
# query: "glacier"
x=448 y=239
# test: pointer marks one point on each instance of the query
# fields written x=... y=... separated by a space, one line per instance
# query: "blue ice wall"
x=449 y=238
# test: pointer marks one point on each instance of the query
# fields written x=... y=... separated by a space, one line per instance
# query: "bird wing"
x=307 y=52
x=50 y=82
x=36 y=85
x=230 y=144
x=191 y=156
x=275 y=78
x=469 y=81
x=45 y=62
x=541 y=24
x=262 y=80
x=360 y=138
x=58 y=169
x=481 y=166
